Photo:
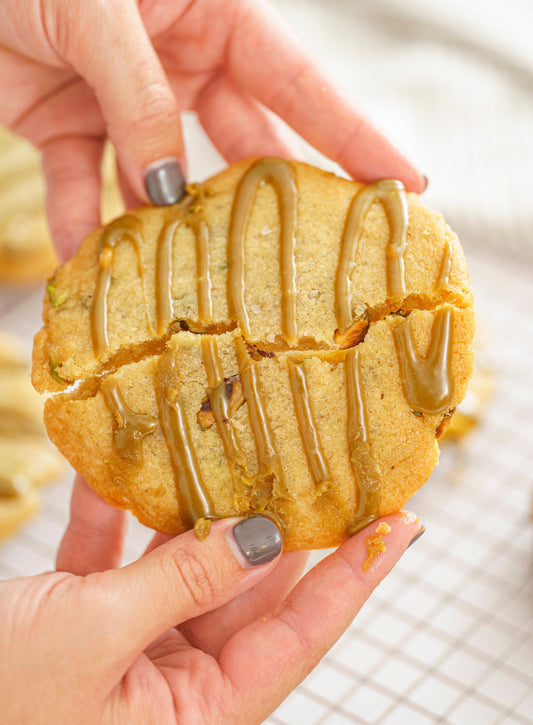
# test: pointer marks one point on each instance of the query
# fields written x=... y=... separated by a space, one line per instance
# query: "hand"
x=73 y=72
x=190 y=633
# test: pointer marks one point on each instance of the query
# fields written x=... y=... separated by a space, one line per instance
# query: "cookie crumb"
x=409 y=517
x=202 y=527
x=374 y=544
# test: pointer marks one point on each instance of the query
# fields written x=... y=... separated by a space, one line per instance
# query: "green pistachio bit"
x=417 y=413
x=55 y=374
x=57 y=297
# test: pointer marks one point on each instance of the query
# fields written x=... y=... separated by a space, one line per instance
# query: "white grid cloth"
x=448 y=637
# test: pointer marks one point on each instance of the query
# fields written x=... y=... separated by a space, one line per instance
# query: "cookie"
x=283 y=342
x=27 y=460
x=26 y=251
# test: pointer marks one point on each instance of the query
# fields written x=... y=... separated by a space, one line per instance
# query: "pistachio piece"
x=352 y=335
x=56 y=297
x=234 y=394
x=55 y=374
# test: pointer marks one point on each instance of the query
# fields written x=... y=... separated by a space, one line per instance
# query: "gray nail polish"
x=416 y=536
x=164 y=182
x=258 y=539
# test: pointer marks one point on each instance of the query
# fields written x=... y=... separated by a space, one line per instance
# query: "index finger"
x=268 y=63
x=267 y=659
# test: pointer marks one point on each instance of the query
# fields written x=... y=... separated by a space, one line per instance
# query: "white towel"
x=452 y=83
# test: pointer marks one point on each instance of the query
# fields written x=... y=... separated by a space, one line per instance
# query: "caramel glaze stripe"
x=391 y=194
x=219 y=405
x=306 y=423
x=164 y=301
x=443 y=280
x=164 y=305
x=193 y=497
x=281 y=175
x=132 y=427
x=205 y=301
x=427 y=383
x=127 y=228
x=365 y=469
x=267 y=455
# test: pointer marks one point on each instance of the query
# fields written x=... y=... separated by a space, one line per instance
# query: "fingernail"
x=258 y=540
x=164 y=182
x=426 y=183
x=416 y=536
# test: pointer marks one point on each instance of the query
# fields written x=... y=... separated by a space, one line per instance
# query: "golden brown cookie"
x=27 y=459
x=283 y=341
x=26 y=251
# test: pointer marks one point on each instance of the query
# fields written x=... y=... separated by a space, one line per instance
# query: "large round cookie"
x=283 y=341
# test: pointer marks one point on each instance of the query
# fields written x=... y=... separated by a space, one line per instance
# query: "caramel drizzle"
x=267 y=455
x=443 y=280
x=427 y=383
x=127 y=228
x=306 y=423
x=193 y=497
x=281 y=175
x=164 y=270
x=205 y=301
x=391 y=194
x=365 y=469
x=218 y=403
x=164 y=302
x=132 y=427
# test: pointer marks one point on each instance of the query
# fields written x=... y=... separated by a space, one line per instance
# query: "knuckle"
x=191 y=578
x=155 y=108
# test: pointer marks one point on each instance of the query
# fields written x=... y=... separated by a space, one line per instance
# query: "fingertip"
x=164 y=181
x=72 y=170
x=254 y=541
x=374 y=550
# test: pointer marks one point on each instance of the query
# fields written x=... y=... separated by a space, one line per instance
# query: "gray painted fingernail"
x=426 y=183
x=164 y=182
x=416 y=536
x=258 y=540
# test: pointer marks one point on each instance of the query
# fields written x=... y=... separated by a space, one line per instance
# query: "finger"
x=239 y=126
x=211 y=631
x=157 y=539
x=181 y=579
x=267 y=61
x=294 y=639
x=107 y=44
x=71 y=167
x=131 y=200
x=94 y=538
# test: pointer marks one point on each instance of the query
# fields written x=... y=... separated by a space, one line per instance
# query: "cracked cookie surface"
x=283 y=341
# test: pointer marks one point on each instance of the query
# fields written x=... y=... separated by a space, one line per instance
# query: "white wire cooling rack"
x=448 y=637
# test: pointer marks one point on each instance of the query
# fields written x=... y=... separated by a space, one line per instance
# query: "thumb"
x=186 y=577
x=108 y=45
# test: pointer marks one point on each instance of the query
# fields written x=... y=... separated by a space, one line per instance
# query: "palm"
x=183 y=675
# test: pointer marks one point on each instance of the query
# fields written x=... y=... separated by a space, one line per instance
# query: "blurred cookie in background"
x=472 y=409
x=27 y=459
x=26 y=252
